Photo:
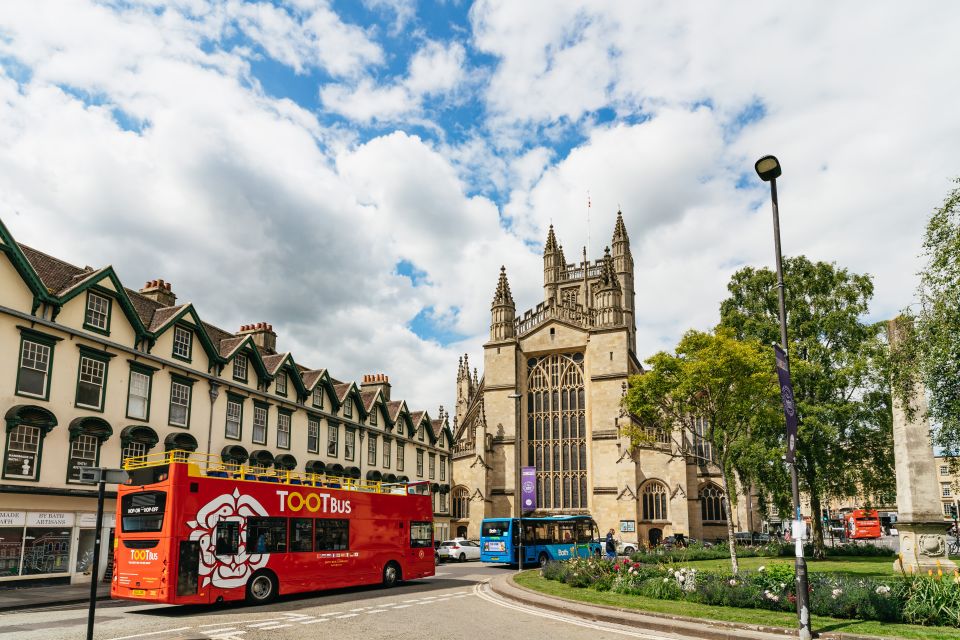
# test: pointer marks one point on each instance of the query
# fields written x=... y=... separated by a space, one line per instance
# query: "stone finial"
x=608 y=276
x=476 y=380
x=551 y=244
x=563 y=258
x=620 y=229
x=502 y=296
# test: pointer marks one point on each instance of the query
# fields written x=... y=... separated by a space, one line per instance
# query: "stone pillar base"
x=923 y=548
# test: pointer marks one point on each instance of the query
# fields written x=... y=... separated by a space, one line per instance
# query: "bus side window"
x=566 y=532
x=266 y=535
x=584 y=531
x=228 y=538
x=301 y=534
x=332 y=535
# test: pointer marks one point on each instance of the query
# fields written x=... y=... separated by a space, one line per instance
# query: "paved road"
x=454 y=604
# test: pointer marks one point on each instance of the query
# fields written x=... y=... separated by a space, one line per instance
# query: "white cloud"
x=435 y=69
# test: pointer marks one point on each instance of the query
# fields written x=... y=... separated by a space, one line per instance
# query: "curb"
x=653 y=621
x=4 y=608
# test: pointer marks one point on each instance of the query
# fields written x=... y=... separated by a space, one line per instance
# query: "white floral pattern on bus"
x=226 y=571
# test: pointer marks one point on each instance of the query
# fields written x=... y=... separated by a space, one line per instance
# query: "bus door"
x=530 y=549
x=584 y=538
x=188 y=568
x=567 y=548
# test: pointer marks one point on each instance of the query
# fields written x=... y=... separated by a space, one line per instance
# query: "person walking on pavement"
x=611 y=546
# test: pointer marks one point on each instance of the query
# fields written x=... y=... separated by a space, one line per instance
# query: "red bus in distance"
x=195 y=530
x=861 y=524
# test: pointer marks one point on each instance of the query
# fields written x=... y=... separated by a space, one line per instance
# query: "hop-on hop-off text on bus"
x=544 y=539
x=195 y=530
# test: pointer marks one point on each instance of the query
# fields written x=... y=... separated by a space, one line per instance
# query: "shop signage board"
x=50 y=519
x=12 y=518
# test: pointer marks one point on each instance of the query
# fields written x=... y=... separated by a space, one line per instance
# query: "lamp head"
x=768 y=168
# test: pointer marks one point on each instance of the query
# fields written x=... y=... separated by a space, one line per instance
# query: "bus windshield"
x=143 y=511
x=495 y=529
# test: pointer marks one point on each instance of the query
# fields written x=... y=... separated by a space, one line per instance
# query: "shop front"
x=46 y=545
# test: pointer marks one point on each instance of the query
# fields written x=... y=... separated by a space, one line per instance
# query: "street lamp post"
x=516 y=486
x=768 y=168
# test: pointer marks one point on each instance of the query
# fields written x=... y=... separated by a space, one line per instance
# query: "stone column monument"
x=923 y=540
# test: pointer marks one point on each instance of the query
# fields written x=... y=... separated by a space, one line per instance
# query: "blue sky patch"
x=428 y=327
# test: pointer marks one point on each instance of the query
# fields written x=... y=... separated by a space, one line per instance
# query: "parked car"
x=627 y=547
x=459 y=549
x=679 y=540
x=750 y=538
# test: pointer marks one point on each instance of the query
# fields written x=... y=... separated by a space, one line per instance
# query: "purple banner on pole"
x=789 y=404
x=528 y=488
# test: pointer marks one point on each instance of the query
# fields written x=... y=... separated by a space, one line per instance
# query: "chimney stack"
x=159 y=291
x=375 y=381
x=263 y=336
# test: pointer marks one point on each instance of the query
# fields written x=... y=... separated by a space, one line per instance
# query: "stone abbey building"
x=563 y=366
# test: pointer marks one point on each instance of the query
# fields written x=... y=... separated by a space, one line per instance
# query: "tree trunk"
x=819 y=548
x=731 y=539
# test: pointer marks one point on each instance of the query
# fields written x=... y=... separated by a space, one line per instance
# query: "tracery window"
x=556 y=430
x=461 y=502
x=702 y=449
x=654 y=498
x=712 y=507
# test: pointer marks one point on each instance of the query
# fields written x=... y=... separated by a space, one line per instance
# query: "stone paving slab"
x=27 y=597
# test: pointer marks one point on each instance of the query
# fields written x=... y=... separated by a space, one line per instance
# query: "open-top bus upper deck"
x=195 y=529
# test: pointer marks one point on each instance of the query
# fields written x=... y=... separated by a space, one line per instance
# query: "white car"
x=627 y=547
x=459 y=549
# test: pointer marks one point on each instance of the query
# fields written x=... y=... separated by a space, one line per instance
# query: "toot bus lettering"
x=312 y=502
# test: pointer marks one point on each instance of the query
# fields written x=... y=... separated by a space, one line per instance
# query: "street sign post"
x=100 y=477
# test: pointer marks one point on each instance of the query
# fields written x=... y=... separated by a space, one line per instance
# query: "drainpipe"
x=214 y=394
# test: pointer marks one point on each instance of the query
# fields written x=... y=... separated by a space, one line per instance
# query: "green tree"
x=728 y=384
x=928 y=351
x=844 y=444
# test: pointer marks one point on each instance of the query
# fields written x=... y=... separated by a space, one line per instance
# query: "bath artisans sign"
x=49 y=519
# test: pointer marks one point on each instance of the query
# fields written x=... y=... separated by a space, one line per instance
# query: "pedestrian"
x=611 y=546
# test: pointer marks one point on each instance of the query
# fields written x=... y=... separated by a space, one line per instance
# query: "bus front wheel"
x=262 y=588
x=391 y=574
x=543 y=559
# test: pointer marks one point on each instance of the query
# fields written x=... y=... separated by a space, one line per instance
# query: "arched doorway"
x=655 y=536
x=461 y=531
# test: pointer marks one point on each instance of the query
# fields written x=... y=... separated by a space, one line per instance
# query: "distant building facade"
x=92 y=372
x=560 y=371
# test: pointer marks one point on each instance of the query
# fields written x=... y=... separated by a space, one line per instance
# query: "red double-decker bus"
x=862 y=524
x=192 y=529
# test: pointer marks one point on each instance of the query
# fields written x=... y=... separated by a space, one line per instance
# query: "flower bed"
x=932 y=599
x=696 y=552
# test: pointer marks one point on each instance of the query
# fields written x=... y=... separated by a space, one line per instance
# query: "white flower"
x=733 y=582
x=783 y=585
x=680 y=579
x=761 y=568
x=837 y=593
x=665 y=580
x=883 y=590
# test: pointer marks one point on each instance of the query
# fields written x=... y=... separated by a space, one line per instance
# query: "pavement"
x=505 y=587
x=28 y=597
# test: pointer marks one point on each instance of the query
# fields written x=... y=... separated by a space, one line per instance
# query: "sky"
x=356 y=172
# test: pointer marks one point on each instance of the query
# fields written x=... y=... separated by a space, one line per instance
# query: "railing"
x=574 y=314
x=576 y=273
x=213 y=466
x=463 y=450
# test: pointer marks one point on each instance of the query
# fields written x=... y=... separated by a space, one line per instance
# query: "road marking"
x=377 y=611
x=266 y=623
x=151 y=633
x=315 y=621
x=332 y=613
x=347 y=615
x=481 y=588
x=417 y=600
x=360 y=609
x=276 y=626
x=403 y=606
x=215 y=624
x=214 y=632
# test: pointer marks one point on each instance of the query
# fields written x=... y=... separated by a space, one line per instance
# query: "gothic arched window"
x=556 y=433
x=461 y=503
x=654 y=498
x=712 y=506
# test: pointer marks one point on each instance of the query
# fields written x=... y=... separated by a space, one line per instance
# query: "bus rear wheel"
x=391 y=574
x=544 y=559
x=262 y=588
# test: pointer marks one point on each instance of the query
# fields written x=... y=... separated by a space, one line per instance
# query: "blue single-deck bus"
x=544 y=539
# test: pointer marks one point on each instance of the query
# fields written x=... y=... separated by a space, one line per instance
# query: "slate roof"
x=368 y=396
x=341 y=390
x=144 y=306
x=225 y=345
x=310 y=377
x=163 y=315
x=416 y=417
x=393 y=408
x=272 y=363
x=55 y=274
x=437 y=426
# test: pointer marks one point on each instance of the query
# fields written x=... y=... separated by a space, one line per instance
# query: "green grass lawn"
x=532 y=580
x=847 y=565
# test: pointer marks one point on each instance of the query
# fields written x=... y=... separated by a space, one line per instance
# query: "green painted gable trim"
x=120 y=295
x=10 y=247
